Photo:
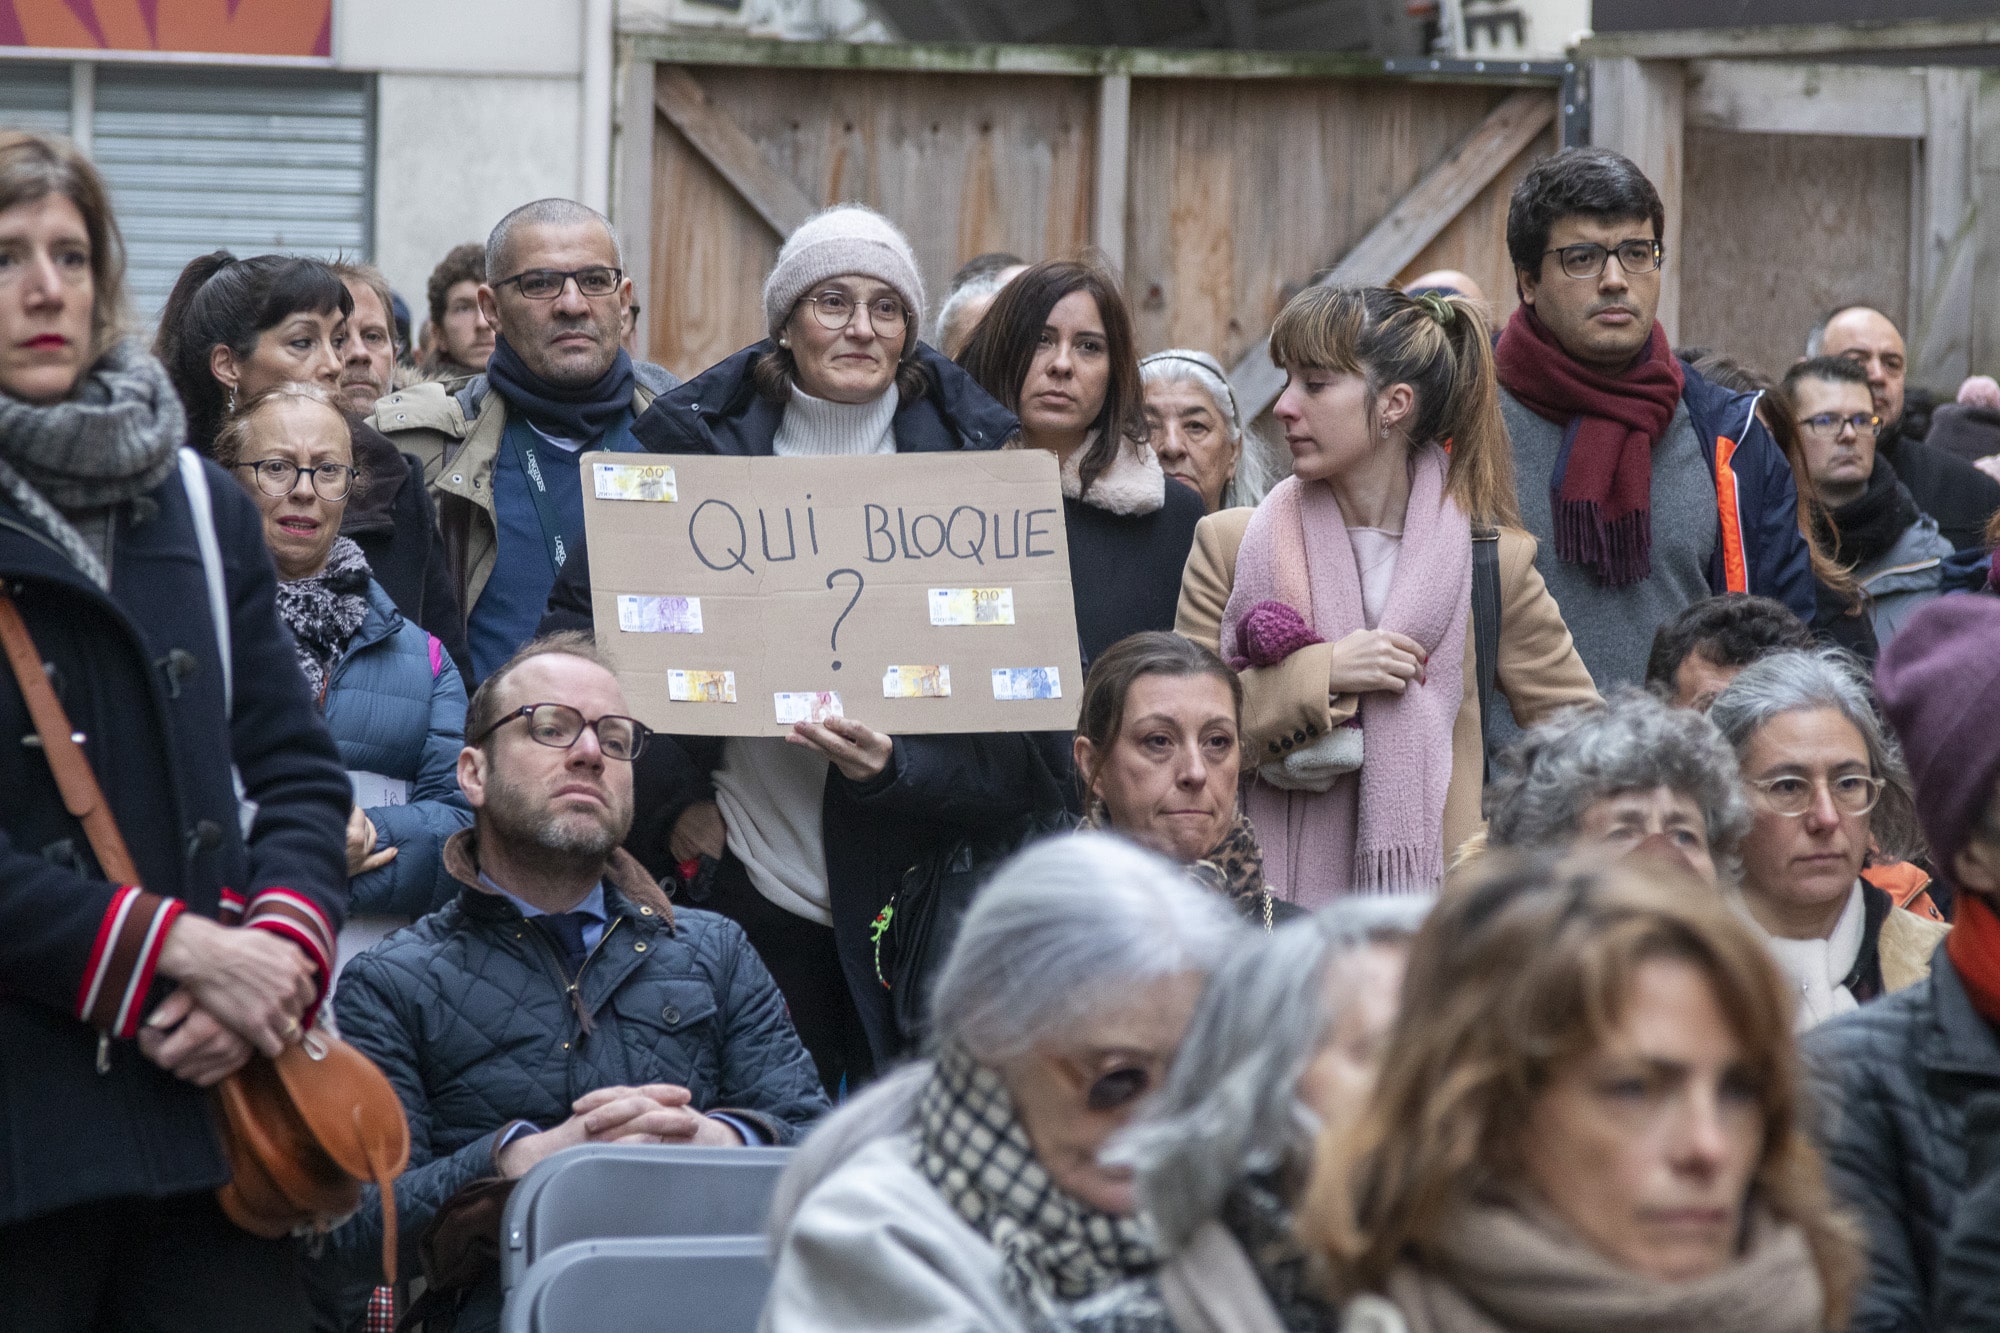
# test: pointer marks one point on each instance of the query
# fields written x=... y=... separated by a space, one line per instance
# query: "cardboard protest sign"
x=917 y=593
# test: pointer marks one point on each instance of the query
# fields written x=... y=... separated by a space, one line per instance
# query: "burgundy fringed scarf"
x=1602 y=491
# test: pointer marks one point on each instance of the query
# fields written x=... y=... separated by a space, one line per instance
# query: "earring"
x=232 y=399
x=784 y=342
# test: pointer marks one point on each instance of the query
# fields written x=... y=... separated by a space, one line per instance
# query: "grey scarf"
x=110 y=442
x=324 y=610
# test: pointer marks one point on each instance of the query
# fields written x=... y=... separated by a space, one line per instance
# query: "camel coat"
x=1287 y=704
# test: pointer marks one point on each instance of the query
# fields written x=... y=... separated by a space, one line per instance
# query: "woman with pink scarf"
x=1345 y=598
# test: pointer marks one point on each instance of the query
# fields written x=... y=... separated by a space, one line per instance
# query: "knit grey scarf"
x=111 y=441
x=324 y=610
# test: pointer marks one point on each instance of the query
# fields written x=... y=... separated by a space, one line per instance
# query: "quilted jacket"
x=1969 y=1271
x=468 y=1014
x=396 y=706
x=1894 y=1081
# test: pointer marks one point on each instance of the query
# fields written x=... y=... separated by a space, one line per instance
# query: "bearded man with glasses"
x=501 y=450
x=1874 y=524
x=1647 y=487
x=560 y=999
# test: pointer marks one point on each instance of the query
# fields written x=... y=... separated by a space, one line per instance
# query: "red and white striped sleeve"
x=299 y=920
x=123 y=960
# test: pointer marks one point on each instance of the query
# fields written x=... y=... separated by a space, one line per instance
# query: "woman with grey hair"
x=966 y=1192
x=1632 y=775
x=1828 y=787
x=1199 y=434
x=1224 y=1150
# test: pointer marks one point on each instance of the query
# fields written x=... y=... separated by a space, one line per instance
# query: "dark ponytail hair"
x=222 y=300
x=1437 y=344
x=1001 y=351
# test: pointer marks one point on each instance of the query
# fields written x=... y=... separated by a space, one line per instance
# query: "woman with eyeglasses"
x=390 y=695
x=1826 y=785
x=803 y=838
x=969 y=1191
x=128 y=993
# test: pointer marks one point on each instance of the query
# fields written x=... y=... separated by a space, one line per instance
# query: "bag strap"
x=1486 y=631
x=82 y=797
x=195 y=482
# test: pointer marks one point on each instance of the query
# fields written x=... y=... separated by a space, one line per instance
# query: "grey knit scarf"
x=324 y=610
x=110 y=442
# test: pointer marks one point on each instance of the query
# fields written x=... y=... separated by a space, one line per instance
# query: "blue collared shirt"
x=592 y=907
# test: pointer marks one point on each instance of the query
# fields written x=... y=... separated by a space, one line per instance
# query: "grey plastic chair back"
x=608 y=1191
x=684 y=1284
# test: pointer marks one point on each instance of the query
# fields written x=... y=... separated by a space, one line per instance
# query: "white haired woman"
x=966 y=1192
x=1221 y=1154
x=1201 y=438
x=1826 y=784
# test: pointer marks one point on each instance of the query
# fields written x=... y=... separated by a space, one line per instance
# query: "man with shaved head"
x=1958 y=495
x=501 y=451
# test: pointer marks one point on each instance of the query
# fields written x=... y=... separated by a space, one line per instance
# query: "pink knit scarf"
x=1381 y=829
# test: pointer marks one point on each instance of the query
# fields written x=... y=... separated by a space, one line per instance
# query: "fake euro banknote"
x=634 y=481
x=916 y=682
x=972 y=606
x=659 y=615
x=701 y=687
x=1011 y=683
x=807 y=706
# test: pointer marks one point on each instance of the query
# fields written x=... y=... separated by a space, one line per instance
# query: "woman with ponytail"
x=1345 y=599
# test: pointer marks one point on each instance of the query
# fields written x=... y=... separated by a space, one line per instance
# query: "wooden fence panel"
x=1779 y=228
x=1476 y=241
x=1240 y=191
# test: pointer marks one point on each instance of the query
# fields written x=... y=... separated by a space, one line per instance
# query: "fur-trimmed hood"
x=1133 y=484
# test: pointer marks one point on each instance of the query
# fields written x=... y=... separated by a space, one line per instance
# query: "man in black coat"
x=1958 y=495
x=561 y=999
x=1896 y=1081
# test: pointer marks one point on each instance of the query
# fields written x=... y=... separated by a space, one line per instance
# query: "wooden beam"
x=1639 y=108
x=632 y=182
x=1784 y=97
x=1942 y=307
x=1114 y=134
x=715 y=134
x=1412 y=224
x=1793 y=40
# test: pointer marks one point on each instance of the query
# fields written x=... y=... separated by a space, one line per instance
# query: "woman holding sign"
x=805 y=837
x=1345 y=599
x=1057 y=348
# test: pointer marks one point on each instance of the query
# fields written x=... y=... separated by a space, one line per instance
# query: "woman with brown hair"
x=1588 y=1117
x=1348 y=592
x=1057 y=350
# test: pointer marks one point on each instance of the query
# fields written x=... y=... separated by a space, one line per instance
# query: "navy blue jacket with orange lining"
x=1758 y=546
x=136 y=672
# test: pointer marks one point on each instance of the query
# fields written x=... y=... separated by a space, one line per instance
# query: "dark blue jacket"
x=1759 y=548
x=137 y=674
x=396 y=706
x=467 y=1012
x=936 y=787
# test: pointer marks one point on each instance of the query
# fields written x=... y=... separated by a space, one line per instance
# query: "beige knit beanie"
x=847 y=238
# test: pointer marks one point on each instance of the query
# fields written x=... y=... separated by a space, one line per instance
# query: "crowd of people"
x=1644 y=974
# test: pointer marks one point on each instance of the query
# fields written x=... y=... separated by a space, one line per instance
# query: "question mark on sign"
x=834 y=641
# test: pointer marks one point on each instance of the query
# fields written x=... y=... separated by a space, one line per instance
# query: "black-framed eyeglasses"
x=1791 y=794
x=558 y=726
x=835 y=310
x=1587 y=259
x=546 y=284
x=279 y=476
x=1828 y=424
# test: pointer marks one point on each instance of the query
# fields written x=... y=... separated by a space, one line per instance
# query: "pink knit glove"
x=1271 y=632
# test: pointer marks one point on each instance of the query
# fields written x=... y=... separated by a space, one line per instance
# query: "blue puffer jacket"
x=396 y=706
x=468 y=1014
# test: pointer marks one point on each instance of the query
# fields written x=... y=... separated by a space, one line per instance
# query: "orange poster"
x=230 y=27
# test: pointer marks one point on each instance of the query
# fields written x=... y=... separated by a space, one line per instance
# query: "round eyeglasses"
x=1792 y=795
x=835 y=310
x=546 y=284
x=1587 y=260
x=558 y=726
x=280 y=476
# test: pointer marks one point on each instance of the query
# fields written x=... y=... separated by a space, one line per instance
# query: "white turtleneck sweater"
x=1817 y=969
x=770 y=790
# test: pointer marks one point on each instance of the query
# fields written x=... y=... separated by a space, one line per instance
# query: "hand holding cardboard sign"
x=860 y=752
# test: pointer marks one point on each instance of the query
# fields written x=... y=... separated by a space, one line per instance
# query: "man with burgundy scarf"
x=1647 y=487
x=1898 y=1080
x=501 y=451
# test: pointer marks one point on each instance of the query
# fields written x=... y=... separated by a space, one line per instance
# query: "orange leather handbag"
x=303 y=1131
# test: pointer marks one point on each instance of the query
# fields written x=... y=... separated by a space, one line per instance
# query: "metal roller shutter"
x=255 y=161
x=34 y=97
